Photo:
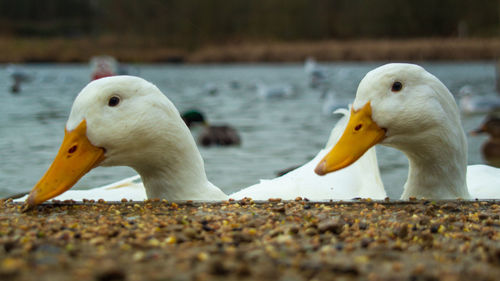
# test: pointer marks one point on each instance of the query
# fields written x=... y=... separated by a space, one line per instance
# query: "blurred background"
x=239 y=30
x=272 y=70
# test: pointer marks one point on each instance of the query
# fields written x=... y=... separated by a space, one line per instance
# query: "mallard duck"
x=127 y=121
x=491 y=148
x=223 y=135
x=405 y=107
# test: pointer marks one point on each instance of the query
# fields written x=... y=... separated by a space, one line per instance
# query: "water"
x=276 y=134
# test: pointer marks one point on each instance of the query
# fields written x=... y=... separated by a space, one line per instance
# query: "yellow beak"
x=75 y=158
x=360 y=134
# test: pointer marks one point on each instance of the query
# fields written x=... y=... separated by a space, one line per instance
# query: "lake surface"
x=276 y=133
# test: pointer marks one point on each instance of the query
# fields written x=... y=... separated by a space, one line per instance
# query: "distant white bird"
x=317 y=75
x=471 y=103
x=18 y=75
x=274 y=91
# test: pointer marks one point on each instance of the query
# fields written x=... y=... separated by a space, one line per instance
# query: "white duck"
x=274 y=91
x=127 y=121
x=474 y=104
x=405 y=107
x=317 y=74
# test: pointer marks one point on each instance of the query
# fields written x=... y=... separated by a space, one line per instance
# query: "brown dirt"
x=138 y=50
x=244 y=240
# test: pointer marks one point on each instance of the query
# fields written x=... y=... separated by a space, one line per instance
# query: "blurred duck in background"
x=210 y=89
x=491 y=148
x=471 y=103
x=317 y=75
x=274 y=91
x=103 y=66
x=221 y=135
x=18 y=75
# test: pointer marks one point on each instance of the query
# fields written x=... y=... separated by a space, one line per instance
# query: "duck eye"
x=114 y=101
x=397 y=86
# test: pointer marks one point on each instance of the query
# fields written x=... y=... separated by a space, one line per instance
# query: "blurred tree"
x=192 y=23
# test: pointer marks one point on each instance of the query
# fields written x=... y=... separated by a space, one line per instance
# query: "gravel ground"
x=246 y=240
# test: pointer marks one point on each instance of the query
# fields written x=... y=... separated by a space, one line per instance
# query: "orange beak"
x=75 y=158
x=360 y=135
x=478 y=131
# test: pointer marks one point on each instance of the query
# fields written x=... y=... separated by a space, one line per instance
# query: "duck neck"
x=175 y=171
x=437 y=165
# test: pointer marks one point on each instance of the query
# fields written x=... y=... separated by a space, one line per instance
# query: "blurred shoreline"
x=62 y=50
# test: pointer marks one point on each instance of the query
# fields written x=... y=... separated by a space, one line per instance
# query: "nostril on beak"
x=73 y=149
x=358 y=127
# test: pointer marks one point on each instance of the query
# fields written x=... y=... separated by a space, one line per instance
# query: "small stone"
x=333 y=226
x=217 y=267
x=483 y=216
x=111 y=275
x=450 y=207
x=202 y=256
x=279 y=209
x=403 y=231
x=171 y=240
x=310 y=231
x=190 y=233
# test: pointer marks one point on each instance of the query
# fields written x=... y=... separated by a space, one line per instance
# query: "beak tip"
x=475 y=132
x=320 y=169
x=31 y=201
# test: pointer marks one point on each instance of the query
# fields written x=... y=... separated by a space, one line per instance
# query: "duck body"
x=483 y=181
x=342 y=185
x=491 y=152
x=302 y=182
x=219 y=135
x=127 y=121
x=222 y=135
x=405 y=107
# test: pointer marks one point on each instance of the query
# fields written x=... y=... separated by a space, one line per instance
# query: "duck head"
x=398 y=105
x=114 y=121
x=491 y=126
x=193 y=117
